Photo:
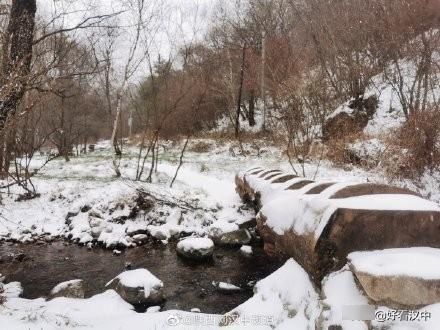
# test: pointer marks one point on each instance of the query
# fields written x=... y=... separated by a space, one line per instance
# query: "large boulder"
x=137 y=287
x=69 y=289
x=196 y=248
x=350 y=118
x=286 y=299
x=389 y=279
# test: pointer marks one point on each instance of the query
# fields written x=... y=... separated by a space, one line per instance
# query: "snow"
x=421 y=262
x=344 y=108
x=309 y=213
x=105 y=311
x=221 y=227
x=66 y=188
x=153 y=309
x=11 y=290
x=246 y=249
x=195 y=243
x=139 y=278
x=389 y=114
x=286 y=297
x=269 y=190
x=226 y=286
x=64 y=285
x=339 y=290
x=89 y=180
x=399 y=202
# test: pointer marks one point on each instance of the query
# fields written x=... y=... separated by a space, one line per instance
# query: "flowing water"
x=187 y=284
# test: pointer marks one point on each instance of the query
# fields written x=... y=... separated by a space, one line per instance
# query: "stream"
x=187 y=284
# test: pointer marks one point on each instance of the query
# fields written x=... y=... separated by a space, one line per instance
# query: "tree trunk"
x=114 y=142
x=263 y=73
x=251 y=114
x=240 y=91
x=17 y=56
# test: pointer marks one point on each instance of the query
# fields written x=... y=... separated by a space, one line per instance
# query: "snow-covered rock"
x=226 y=287
x=165 y=231
x=197 y=248
x=399 y=277
x=138 y=286
x=69 y=289
x=350 y=118
x=136 y=229
x=246 y=250
x=286 y=299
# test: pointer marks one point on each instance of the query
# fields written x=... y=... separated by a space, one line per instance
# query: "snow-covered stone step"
x=258 y=186
x=319 y=223
x=399 y=278
x=320 y=232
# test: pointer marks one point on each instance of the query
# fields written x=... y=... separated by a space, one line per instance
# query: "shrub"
x=415 y=147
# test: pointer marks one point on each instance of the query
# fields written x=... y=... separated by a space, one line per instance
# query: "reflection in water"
x=187 y=284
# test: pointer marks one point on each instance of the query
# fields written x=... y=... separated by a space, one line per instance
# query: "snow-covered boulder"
x=286 y=299
x=228 y=233
x=69 y=289
x=350 y=118
x=138 y=286
x=196 y=248
x=165 y=231
x=399 y=277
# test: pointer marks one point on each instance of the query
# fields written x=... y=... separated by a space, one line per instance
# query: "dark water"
x=187 y=284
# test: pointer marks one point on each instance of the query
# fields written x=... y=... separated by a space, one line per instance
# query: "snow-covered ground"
x=81 y=200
